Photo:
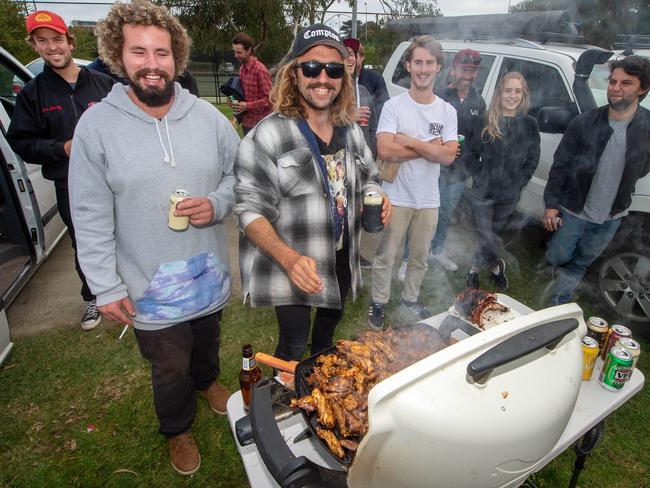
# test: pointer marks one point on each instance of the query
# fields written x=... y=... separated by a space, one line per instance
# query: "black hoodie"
x=46 y=114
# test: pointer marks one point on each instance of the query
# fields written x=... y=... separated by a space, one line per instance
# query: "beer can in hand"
x=177 y=223
x=371 y=218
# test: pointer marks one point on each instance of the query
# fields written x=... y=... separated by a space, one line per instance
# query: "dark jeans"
x=490 y=218
x=572 y=249
x=450 y=195
x=63 y=202
x=295 y=320
x=184 y=358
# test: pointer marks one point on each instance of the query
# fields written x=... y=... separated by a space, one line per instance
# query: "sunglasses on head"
x=312 y=69
x=474 y=60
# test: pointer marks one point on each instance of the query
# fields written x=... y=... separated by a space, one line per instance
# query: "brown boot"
x=217 y=396
x=184 y=454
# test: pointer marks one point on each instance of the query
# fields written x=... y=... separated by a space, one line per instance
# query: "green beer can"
x=616 y=370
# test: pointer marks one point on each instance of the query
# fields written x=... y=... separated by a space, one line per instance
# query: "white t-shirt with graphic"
x=416 y=183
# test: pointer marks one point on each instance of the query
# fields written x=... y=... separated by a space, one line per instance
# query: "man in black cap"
x=301 y=175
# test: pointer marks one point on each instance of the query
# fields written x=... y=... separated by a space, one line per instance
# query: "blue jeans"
x=450 y=195
x=573 y=248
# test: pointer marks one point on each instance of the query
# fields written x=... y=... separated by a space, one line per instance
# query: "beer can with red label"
x=616 y=332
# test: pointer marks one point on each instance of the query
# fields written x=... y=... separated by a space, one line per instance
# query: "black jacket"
x=576 y=160
x=471 y=116
x=46 y=114
x=376 y=85
x=508 y=163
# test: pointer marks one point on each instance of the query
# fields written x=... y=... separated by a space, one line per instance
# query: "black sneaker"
x=416 y=309
x=500 y=280
x=91 y=316
x=472 y=280
x=376 y=316
x=365 y=264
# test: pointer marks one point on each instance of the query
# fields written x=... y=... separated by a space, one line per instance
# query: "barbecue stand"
x=284 y=453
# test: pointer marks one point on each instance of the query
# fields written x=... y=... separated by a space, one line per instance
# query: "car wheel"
x=624 y=283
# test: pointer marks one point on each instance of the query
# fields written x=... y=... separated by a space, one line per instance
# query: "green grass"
x=53 y=386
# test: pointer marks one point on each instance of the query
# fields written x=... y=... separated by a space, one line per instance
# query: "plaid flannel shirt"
x=257 y=82
x=278 y=178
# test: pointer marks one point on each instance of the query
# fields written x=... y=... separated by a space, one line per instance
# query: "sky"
x=448 y=7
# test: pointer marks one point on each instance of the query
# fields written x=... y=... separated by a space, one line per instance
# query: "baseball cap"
x=352 y=43
x=317 y=35
x=45 y=18
x=468 y=58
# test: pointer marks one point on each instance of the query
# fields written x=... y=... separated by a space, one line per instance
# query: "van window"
x=10 y=85
x=547 y=87
x=402 y=78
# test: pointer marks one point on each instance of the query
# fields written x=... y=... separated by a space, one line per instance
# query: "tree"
x=598 y=20
x=86 y=46
x=12 y=30
x=410 y=8
x=346 y=28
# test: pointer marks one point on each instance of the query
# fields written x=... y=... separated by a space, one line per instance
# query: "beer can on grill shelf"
x=174 y=222
x=590 y=352
x=616 y=370
x=631 y=346
x=598 y=328
x=616 y=332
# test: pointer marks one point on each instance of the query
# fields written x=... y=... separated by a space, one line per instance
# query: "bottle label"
x=248 y=363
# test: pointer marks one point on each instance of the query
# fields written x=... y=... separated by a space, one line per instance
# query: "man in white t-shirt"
x=419 y=130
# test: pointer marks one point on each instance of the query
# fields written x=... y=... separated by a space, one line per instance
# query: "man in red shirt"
x=256 y=81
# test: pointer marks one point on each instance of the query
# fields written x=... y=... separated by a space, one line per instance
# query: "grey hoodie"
x=121 y=178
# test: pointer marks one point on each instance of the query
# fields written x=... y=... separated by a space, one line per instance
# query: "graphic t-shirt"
x=334 y=156
x=416 y=183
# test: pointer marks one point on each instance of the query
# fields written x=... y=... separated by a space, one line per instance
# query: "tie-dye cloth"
x=183 y=288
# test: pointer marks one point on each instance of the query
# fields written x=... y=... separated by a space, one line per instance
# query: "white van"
x=565 y=80
x=30 y=225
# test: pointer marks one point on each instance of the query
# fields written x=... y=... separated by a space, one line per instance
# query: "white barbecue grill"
x=483 y=412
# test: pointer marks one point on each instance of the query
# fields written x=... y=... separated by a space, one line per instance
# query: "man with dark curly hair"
x=142 y=143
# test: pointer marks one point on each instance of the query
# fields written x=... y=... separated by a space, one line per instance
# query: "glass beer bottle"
x=250 y=373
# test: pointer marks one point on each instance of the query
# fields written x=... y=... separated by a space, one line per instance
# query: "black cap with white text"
x=317 y=35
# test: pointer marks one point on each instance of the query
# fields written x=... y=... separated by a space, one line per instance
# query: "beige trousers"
x=418 y=226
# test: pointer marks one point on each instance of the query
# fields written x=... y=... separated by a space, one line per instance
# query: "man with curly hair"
x=45 y=117
x=143 y=142
x=301 y=173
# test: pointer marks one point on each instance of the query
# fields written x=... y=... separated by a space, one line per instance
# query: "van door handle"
x=545 y=335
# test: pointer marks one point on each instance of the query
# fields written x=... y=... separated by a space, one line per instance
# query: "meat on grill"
x=472 y=304
x=341 y=381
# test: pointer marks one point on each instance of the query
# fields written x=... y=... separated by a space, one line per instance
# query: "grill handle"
x=288 y=470
x=545 y=335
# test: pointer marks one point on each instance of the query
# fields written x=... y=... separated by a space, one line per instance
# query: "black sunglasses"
x=475 y=60
x=312 y=69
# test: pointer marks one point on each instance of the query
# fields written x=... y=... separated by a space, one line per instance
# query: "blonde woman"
x=509 y=154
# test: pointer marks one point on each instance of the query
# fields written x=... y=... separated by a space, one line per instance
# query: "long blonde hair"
x=495 y=112
x=286 y=98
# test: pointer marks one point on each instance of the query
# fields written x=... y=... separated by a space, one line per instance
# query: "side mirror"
x=554 y=120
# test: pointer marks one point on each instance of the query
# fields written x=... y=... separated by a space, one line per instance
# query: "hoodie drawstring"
x=172 y=161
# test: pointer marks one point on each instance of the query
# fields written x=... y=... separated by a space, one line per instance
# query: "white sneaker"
x=444 y=261
x=91 y=317
x=401 y=272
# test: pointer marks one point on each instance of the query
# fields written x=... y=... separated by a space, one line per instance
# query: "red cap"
x=47 y=19
x=352 y=43
x=467 y=58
